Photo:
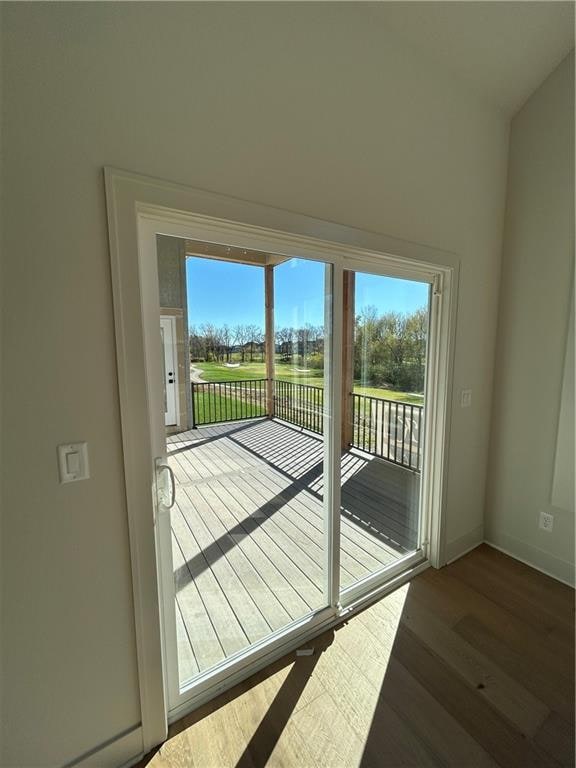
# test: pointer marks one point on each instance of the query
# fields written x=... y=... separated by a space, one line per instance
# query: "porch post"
x=347 y=357
x=269 y=337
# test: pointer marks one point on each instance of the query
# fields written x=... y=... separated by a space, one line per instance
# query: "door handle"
x=166 y=501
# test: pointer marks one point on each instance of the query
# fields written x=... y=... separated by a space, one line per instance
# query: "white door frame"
x=171 y=344
x=140 y=207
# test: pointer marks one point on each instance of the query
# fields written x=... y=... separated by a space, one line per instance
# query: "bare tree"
x=196 y=343
x=226 y=335
x=208 y=333
x=252 y=334
x=284 y=339
x=240 y=338
x=260 y=340
x=305 y=336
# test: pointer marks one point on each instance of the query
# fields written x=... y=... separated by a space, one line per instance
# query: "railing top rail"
x=305 y=386
x=387 y=400
x=298 y=384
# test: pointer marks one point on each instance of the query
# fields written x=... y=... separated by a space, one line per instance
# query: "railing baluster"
x=419 y=443
x=378 y=427
x=278 y=391
x=409 y=441
x=403 y=446
x=396 y=432
x=389 y=429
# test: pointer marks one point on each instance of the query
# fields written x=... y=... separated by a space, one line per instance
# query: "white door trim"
x=172 y=394
x=139 y=207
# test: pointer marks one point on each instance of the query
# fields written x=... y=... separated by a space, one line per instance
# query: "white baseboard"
x=120 y=751
x=542 y=561
x=461 y=546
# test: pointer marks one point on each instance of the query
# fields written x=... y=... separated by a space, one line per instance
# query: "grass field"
x=288 y=372
x=211 y=407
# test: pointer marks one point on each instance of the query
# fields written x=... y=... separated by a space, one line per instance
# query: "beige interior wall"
x=563 y=483
x=535 y=298
x=306 y=107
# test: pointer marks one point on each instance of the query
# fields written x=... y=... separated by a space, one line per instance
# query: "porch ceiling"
x=232 y=253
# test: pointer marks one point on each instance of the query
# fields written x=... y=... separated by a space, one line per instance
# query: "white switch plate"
x=73 y=462
x=466 y=398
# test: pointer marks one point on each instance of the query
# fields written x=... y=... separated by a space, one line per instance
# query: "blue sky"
x=221 y=292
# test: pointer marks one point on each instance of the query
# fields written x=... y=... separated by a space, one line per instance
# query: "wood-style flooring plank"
x=519 y=603
x=496 y=735
x=396 y=685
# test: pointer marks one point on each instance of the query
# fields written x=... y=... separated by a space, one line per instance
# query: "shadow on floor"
x=260 y=747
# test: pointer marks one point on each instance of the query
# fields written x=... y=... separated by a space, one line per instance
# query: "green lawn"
x=288 y=372
x=211 y=407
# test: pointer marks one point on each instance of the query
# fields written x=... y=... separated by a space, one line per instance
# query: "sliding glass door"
x=291 y=473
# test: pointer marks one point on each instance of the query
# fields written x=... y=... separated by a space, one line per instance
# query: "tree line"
x=211 y=343
x=389 y=348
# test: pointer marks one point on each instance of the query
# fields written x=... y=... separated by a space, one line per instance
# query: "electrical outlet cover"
x=546 y=521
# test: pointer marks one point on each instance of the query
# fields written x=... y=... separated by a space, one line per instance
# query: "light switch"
x=466 y=398
x=73 y=462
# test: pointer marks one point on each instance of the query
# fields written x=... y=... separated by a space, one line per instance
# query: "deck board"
x=248 y=531
x=250 y=620
x=253 y=570
x=261 y=552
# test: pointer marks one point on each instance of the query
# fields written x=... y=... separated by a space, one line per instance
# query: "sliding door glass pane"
x=245 y=442
x=385 y=337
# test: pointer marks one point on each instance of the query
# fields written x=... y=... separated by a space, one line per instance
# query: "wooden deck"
x=248 y=531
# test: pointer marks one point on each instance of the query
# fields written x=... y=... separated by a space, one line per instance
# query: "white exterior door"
x=170 y=370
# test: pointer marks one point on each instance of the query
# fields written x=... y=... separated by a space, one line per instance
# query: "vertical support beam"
x=348 y=311
x=270 y=338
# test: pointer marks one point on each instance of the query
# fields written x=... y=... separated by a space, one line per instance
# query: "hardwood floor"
x=472 y=665
x=248 y=531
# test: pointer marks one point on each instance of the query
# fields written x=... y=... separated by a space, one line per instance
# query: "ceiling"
x=501 y=50
x=207 y=250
